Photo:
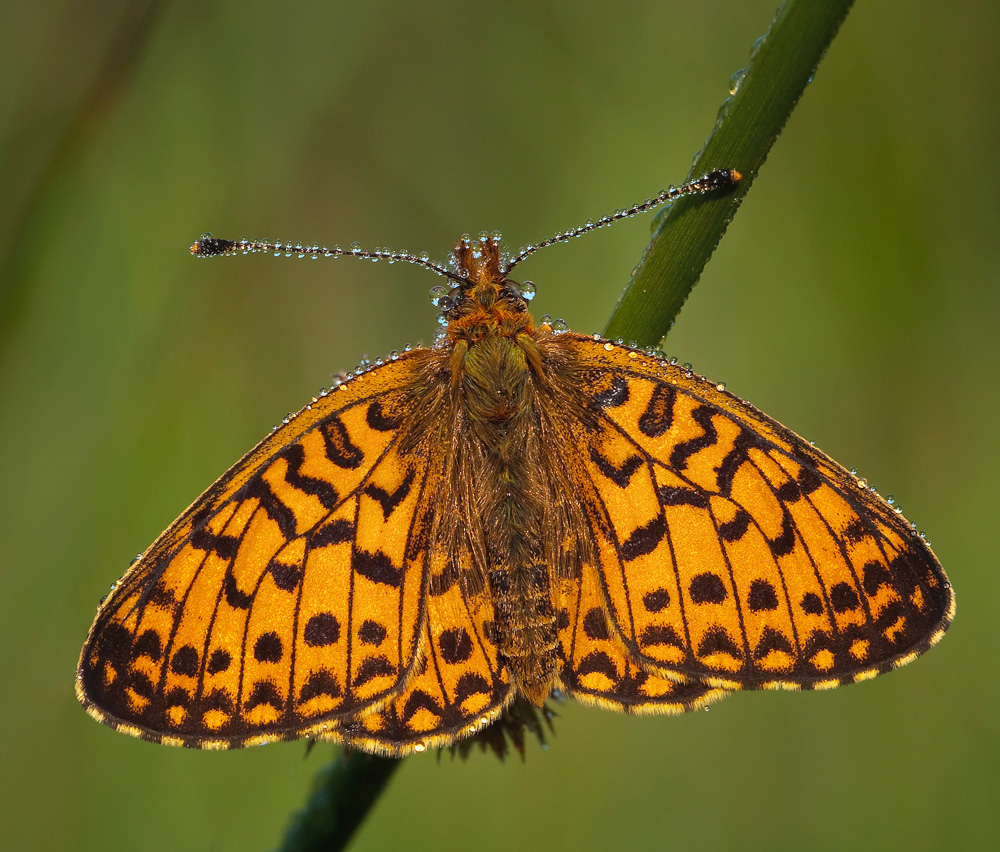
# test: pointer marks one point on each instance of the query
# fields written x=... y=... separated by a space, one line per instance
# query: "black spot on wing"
x=264 y=692
x=717 y=640
x=377 y=567
x=219 y=661
x=614 y=395
x=657 y=600
x=379 y=420
x=598 y=662
x=268 y=648
x=332 y=532
x=339 y=448
x=595 y=624
x=772 y=640
x=621 y=475
x=389 y=501
x=811 y=604
x=788 y=492
x=258 y=489
x=321 y=630
x=644 y=539
x=843 y=598
x=762 y=597
x=219 y=699
x=295 y=456
x=148 y=645
x=235 y=597
x=808 y=480
x=470 y=684
x=735 y=529
x=875 y=576
x=185 y=661
x=658 y=417
x=320 y=682
x=373 y=667
x=286 y=576
x=660 y=634
x=685 y=449
x=855 y=531
x=735 y=459
x=455 y=645
x=417 y=701
x=223 y=545
x=371 y=633
x=707 y=588
x=783 y=544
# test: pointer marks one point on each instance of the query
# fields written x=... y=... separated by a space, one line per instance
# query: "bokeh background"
x=855 y=298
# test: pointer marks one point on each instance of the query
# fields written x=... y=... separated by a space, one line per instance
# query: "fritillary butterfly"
x=515 y=510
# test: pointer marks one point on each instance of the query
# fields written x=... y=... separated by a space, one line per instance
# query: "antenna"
x=718 y=180
x=209 y=246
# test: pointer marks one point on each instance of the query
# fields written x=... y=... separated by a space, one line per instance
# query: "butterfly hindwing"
x=255 y=616
x=460 y=685
x=596 y=667
x=733 y=552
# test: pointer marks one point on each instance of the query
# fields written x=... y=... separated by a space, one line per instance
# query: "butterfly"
x=516 y=511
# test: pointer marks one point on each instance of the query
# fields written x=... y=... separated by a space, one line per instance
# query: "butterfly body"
x=509 y=512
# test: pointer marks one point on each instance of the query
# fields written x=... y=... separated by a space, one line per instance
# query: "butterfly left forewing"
x=249 y=619
x=730 y=550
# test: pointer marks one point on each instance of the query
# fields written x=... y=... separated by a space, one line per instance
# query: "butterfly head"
x=484 y=302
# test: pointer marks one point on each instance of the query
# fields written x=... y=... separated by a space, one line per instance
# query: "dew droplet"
x=528 y=290
x=736 y=79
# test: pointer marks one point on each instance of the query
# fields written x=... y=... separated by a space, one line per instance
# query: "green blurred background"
x=855 y=299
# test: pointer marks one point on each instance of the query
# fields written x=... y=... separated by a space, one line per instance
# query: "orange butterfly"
x=513 y=511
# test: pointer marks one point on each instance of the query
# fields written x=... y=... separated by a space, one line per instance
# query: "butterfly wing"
x=460 y=685
x=597 y=668
x=731 y=551
x=289 y=596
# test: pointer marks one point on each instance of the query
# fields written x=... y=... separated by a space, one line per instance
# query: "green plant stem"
x=685 y=234
x=343 y=793
x=684 y=237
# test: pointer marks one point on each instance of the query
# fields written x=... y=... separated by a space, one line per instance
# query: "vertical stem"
x=686 y=233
